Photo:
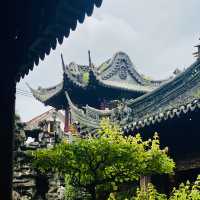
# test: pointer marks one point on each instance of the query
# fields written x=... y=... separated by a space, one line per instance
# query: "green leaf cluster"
x=187 y=191
x=99 y=165
x=150 y=194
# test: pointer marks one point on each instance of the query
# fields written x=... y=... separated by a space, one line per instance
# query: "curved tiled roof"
x=121 y=63
x=97 y=111
x=73 y=75
x=55 y=20
x=80 y=116
x=87 y=116
x=176 y=97
x=165 y=115
x=44 y=94
x=125 y=86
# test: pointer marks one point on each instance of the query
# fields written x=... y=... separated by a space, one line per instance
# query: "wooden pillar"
x=67 y=120
x=7 y=110
x=144 y=181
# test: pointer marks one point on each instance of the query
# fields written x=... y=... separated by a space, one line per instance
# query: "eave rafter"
x=62 y=17
x=44 y=94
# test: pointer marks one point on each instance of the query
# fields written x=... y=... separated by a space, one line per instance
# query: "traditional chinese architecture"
x=31 y=30
x=88 y=93
x=116 y=90
x=173 y=111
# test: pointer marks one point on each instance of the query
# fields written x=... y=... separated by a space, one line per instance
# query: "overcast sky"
x=158 y=35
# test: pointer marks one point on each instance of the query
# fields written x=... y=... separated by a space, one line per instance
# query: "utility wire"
x=24 y=93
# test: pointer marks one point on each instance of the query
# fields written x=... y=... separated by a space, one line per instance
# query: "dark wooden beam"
x=8 y=70
x=188 y=164
x=7 y=110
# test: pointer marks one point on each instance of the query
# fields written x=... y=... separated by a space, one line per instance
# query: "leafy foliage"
x=100 y=165
x=187 y=191
x=150 y=194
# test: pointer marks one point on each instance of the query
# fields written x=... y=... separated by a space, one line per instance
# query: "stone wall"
x=29 y=184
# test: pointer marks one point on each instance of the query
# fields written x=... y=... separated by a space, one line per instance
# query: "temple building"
x=116 y=90
x=88 y=93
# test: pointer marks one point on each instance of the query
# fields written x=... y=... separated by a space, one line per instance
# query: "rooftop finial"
x=197 y=54
x=63 y=63
x=177 y=71
x=90 y=61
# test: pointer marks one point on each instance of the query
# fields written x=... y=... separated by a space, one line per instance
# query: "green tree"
x=102 y=163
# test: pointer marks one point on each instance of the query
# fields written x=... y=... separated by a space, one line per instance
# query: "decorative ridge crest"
x=163 y=116
x=181 y=95
x=121 y=64
x=190 y=71
x=101 y=112
x=95 y=78
x=74 y=76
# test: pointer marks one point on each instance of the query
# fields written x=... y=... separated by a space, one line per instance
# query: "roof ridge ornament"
x=177 y=71
x=63 y=63
x=89 y=57
x=91 y=65
x=197 y=54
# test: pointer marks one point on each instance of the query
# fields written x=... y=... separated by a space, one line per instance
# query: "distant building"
x=47 y=121
x=45 y=129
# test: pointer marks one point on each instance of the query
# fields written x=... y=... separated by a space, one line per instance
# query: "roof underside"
x=43 y=25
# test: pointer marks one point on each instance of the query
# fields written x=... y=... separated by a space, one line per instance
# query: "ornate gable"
x=121 y=69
